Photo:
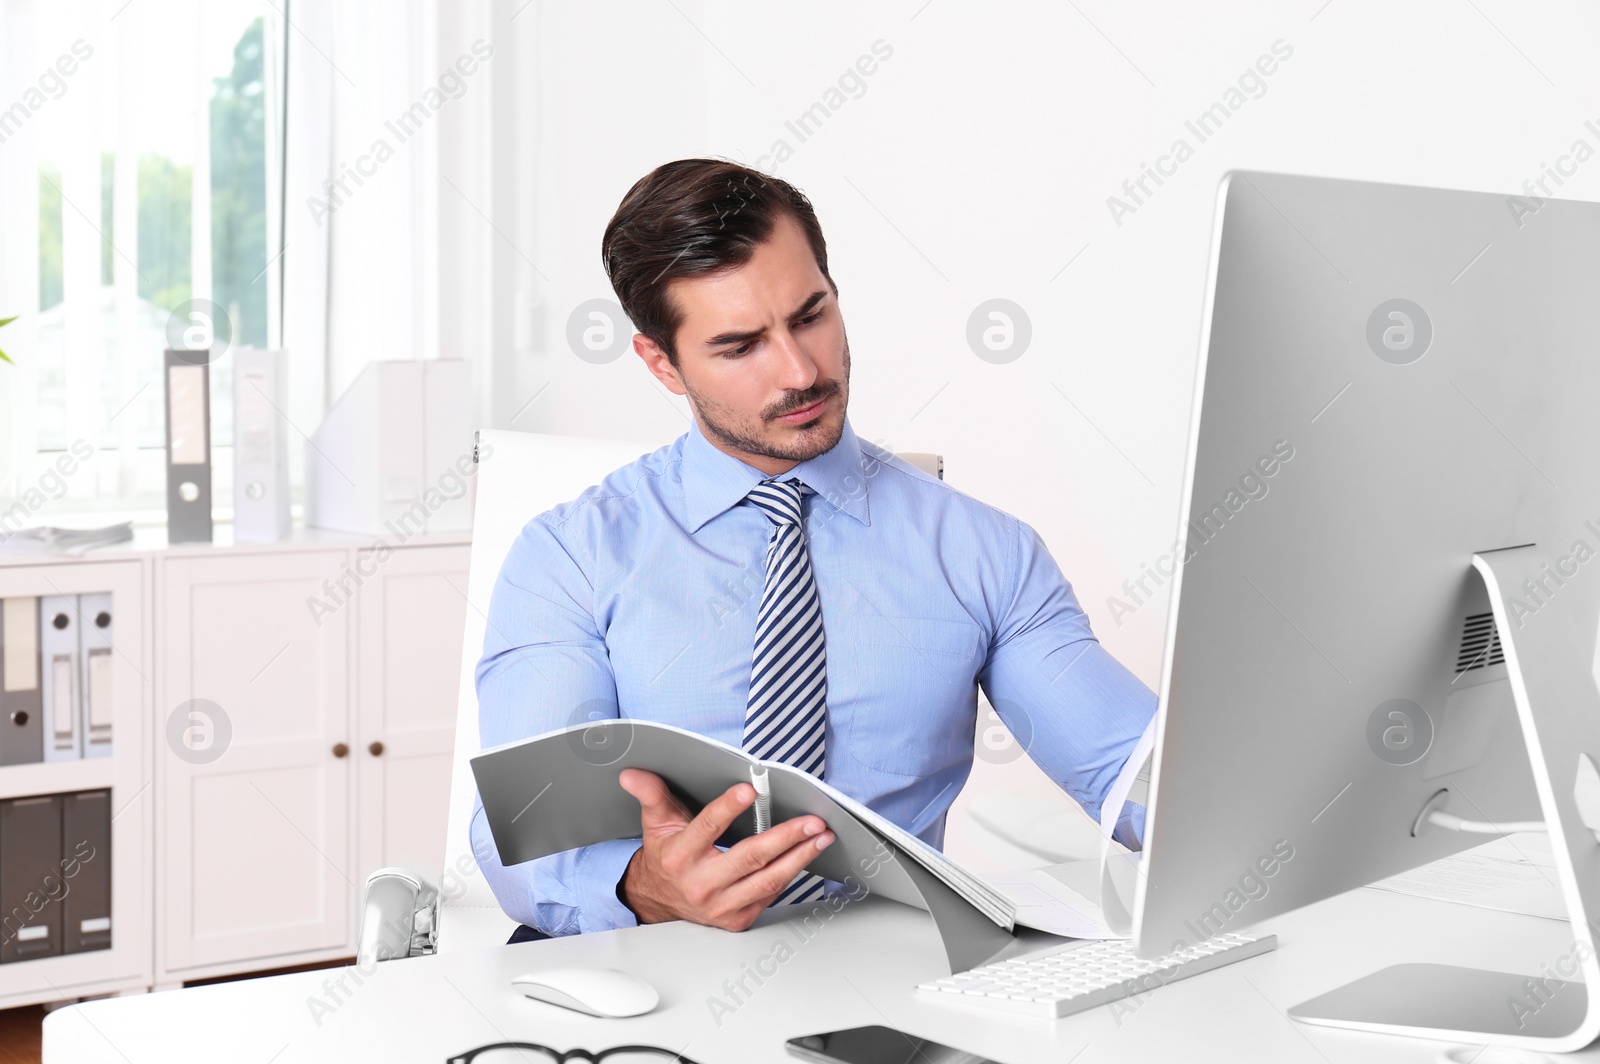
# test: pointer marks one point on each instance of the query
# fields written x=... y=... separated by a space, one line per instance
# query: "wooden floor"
x=21 y=1029
x=19 y=1034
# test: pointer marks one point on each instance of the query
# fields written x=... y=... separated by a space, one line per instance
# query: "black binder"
x=32 y=886
x=86 y=865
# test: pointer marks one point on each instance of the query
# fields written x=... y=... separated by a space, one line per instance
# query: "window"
x=149 y=133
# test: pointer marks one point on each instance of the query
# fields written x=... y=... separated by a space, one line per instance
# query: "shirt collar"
x=714 y=480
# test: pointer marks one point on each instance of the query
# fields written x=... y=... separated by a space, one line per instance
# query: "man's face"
x=757 y=343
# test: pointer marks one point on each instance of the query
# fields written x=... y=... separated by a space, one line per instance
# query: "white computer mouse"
x=596 y=991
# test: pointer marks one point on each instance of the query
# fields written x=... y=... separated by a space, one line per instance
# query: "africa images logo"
x=1399 y=331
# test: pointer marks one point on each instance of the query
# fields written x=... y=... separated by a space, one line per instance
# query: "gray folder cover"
x=86 y=848
x=31 y=884
x=21 y=700
x=188 y=409
x=559 y=791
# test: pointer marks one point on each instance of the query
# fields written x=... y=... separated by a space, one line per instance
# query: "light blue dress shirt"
x=639 y=598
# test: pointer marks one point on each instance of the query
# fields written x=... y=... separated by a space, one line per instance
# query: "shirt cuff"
x=1130 y=826
x=600 y=869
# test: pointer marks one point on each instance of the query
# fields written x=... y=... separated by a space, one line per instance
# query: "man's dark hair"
x=690 y=218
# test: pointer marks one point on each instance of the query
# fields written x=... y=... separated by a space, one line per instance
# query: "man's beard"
x=742 y=438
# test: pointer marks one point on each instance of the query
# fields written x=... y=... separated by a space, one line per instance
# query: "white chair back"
x=520 y=475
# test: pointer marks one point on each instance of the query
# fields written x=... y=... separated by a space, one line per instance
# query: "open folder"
x=559 y=791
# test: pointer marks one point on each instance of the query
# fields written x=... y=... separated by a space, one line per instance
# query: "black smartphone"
x=878 y=1045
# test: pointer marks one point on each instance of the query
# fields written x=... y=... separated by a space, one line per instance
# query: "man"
x=772 y=581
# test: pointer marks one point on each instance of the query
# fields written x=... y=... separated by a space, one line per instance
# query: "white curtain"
x=385 y=219
x=374 y=259
x=19 y=224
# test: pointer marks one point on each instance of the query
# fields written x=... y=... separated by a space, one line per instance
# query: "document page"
x=1514 y=874
x=1062 y=899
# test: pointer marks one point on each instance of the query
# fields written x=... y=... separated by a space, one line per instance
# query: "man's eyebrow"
x=741 y=337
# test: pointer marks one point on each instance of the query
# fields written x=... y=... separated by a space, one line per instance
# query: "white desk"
x=858 y=969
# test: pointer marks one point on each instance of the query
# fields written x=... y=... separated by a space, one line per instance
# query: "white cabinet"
x=284 y=718
x=411 y=613
x=254 y=779
x=127 y=965
x=304 y=720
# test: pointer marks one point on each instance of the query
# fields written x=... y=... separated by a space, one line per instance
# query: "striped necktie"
x=787 y=715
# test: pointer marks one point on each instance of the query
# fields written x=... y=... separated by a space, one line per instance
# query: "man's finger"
x=659 y=809
x=720 y=812
x=756 y=852
x=770 y=881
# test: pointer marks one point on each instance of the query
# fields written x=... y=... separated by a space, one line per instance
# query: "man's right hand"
x=679 y=874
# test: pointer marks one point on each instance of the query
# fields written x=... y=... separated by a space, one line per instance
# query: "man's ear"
x=656 y=362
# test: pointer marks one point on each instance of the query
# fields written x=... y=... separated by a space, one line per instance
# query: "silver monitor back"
x=1391 y=379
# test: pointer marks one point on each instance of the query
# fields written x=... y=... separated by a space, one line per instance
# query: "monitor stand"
x=1549 y=659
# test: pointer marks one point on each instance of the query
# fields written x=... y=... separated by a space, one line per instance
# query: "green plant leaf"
x=8 y=321
x=6 y=359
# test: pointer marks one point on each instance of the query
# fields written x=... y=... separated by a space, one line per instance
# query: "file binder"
x=260 y=446
x=21 y=702
x=31 y=884
x=86 y=854
x=188 y=378
x=58 y=650
x=96 y=656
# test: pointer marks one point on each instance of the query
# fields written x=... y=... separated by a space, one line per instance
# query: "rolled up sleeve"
x=1076 y=710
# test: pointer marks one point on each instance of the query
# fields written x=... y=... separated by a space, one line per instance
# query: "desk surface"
x=857 y=968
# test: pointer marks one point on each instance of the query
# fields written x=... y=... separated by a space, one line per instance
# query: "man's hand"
x=679 y=874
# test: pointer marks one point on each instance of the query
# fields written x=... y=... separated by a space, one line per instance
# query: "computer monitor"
x=1386 y=576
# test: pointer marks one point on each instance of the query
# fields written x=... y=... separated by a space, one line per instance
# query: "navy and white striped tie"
x=787 y=714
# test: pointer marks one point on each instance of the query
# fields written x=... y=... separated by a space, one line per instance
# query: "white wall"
x=977 y=164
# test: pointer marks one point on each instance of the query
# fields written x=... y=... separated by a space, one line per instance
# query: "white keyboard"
x=1084 y=975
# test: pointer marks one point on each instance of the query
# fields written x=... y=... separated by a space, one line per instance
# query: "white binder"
x=95 y=657
x=260 y=446
x=58 y=650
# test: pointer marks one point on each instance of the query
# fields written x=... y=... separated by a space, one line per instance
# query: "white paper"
x=1060 y=899
x=47 y=539
x=61 y=666
x=99 y=692
x=1117 y=797
x=1118 y=866
x=187 y=400
x=20 y=618
x=1514 y=874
